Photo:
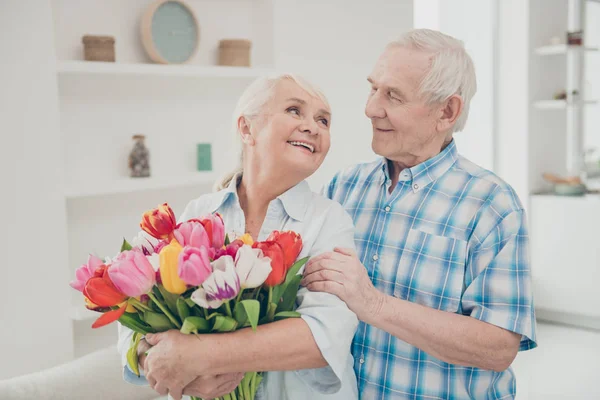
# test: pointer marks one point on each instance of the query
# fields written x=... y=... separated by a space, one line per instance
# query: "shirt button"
x=362 y=361
x=415 y=186
x=375 y=257
x=387 y=209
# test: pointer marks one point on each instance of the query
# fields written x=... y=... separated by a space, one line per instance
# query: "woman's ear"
x=244 y=131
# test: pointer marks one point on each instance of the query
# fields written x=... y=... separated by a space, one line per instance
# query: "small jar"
x=139 y=158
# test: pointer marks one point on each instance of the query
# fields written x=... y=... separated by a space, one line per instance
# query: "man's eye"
x=324 y=121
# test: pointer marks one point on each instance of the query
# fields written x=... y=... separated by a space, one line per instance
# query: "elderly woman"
x=283 y=124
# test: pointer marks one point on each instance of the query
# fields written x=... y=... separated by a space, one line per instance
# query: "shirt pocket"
x=431 y=271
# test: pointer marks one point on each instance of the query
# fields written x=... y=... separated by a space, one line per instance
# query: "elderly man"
x=441 y=280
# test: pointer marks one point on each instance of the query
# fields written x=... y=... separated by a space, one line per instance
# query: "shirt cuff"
x=130 y=377
x=524 y=326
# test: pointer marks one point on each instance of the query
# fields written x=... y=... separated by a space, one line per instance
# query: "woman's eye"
x=293 y=110
x=324 y=121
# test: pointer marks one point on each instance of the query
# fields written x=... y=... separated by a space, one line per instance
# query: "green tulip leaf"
x=133 y=322
x=159 y=322
x=195 y=325
x=182 y=308
x=247 y=311
x=132 y=355
x=288 y=300
x=170 y=299
x=224 y=324
x=287 y=314
x=125 y=245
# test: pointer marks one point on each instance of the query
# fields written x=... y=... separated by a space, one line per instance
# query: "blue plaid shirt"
x=451 y=236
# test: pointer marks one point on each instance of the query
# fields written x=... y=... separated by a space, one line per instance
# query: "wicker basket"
x=98 y=48
x=235 y=52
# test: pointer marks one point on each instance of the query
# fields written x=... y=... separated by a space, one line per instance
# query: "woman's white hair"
x=253 y=102
x=451 y=70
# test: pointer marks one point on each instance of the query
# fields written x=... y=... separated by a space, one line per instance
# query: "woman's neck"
x=256 y=191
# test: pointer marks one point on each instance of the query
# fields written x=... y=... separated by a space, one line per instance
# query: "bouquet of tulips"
x=192 y=277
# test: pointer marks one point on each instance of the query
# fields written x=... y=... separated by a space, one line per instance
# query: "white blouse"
x=323 y=225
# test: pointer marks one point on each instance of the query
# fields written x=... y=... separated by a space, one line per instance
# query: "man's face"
x=404 y=127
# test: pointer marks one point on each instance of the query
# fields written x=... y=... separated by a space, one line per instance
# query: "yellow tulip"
x=169 y=264
x=247 y=239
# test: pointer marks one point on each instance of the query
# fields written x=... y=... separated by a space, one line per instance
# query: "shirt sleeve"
x=498 y=278
x=330 y=320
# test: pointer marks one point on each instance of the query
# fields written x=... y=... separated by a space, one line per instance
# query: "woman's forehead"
x=288 y=90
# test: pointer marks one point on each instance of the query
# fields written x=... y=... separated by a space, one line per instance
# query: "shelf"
x=97 y=68
x=560 y=104
x=130 y=185
x=561 y=49
x=80 y=313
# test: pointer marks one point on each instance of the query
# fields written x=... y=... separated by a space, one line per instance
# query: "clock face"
x=174 y=32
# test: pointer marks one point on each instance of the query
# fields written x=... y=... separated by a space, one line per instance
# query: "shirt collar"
x=295 y=201
x=428 y=171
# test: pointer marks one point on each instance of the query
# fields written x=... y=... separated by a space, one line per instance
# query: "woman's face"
x=292 y=135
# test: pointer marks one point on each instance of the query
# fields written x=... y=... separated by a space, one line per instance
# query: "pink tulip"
x=215 y=228
x=132 y=273
x=192 y=233
x=194 y=265
x=85 y=272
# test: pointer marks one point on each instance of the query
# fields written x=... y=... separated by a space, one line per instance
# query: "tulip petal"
x=108 y=317
x=199 y=297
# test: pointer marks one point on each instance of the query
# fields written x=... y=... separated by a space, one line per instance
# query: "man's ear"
x=244 y=131
x=451 y=109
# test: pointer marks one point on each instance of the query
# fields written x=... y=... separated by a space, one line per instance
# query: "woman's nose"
x=310 y=127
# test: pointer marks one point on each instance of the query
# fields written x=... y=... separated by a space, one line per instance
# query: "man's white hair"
x=451 y=69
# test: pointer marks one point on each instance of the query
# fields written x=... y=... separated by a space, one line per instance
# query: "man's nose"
x=374 y=108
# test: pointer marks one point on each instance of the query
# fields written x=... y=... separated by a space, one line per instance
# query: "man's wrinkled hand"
x=342 y=274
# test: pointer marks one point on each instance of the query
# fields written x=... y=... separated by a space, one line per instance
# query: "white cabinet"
x=565 y=247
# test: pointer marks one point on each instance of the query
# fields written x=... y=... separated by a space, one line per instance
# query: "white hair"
x=451 y=71
x=253 y=102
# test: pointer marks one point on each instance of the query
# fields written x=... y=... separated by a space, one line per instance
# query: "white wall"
x=335 y=44
x=512 y=132
x=473 y=22
x=36 y=332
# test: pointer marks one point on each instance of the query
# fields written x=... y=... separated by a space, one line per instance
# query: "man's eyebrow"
x=392 y=89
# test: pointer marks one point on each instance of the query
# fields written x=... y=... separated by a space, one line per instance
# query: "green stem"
x=138 y=304
x=205 y=313
x=228 y=309
x=256 y=293
x=270 y=295
x=165 y=310
x=239 y=296
x=253 y=385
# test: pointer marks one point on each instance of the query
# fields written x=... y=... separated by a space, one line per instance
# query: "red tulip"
x=101 y=291
x=291 y=244
x=160 y=222
x=275 y=253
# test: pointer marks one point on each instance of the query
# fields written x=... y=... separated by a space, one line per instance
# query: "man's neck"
x=396 y=166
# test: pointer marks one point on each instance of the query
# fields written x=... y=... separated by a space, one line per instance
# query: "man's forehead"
x=400 y=65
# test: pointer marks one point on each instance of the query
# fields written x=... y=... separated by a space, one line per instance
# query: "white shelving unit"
x=78 y=69
x=560 y=104
x=133 y=185
x=562 y=49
